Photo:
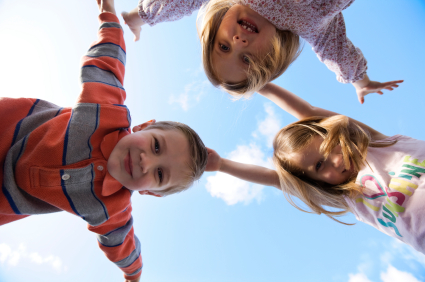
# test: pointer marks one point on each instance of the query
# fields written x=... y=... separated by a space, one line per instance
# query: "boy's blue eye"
x=156 y=146
x=224 y=47
x=160 y=175
x=318 y=165
x=246 y=60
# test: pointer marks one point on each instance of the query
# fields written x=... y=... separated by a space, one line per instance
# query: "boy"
x=85 y=161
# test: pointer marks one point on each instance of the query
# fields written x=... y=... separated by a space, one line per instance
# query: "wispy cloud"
x=394 y=275
x=358 y=277
x=191 y=95
x=14 y=257
x=233 y=190
x=389 y=273
x=268 y=127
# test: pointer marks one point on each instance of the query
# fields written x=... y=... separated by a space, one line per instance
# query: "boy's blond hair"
x=285 y=48
x=198 y=154
x=335 y=130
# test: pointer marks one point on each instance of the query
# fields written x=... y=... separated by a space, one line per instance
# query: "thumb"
x=360 y=97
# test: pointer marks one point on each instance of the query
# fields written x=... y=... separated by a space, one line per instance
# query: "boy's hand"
x=106 y=6
x=214 y=161
x=366 y=86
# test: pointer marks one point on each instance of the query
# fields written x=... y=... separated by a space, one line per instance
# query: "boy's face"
x=150 y=160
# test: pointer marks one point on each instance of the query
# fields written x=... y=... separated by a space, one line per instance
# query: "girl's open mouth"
x=248 y=26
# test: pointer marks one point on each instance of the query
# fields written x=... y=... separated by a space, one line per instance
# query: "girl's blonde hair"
x=285 y=48
x=335 y=130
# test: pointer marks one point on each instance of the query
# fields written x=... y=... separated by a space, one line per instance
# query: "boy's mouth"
x=128 y=165
x=248 y=26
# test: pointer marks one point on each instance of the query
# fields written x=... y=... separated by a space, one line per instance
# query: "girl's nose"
x=240 y=41
x=336 y=160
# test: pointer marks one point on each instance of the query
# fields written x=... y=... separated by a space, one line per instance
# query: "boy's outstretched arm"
x=366 y=86
x=252 y=173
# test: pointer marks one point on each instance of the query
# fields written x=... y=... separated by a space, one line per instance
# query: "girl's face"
x=331 y=170
x=242 y=32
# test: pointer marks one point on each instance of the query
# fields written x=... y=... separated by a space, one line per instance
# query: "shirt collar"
x=110 y=184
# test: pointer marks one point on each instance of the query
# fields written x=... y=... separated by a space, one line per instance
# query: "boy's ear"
x=143 y=125
x=145 y=192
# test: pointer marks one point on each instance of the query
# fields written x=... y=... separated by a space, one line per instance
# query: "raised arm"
x=339 y=54
x=156 y=11
x=252 y=173
x=301 y=109
x=103 y=66
x=291 y=103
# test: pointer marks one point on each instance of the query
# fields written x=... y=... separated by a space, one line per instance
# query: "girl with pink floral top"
x=248 y=43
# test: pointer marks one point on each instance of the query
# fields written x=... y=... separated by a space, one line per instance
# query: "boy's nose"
x=146 y=162
x=240 y=41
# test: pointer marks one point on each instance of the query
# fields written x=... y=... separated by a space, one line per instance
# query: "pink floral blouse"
x=319 y=22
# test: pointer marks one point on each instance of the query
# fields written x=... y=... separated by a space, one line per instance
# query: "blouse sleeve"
x=157 y=11
x=337 y=52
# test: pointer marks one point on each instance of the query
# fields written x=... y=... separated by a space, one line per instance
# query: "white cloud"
x=407 y=252
x=12 y=257
x=234 y=190
x=192 y=94
x=358 y=277
x=269 y=126
x=395 y=275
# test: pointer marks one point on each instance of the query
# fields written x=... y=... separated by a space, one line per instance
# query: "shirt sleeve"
x=157 y=11
x=103 y=67
x=337 y=52
x=117 y=240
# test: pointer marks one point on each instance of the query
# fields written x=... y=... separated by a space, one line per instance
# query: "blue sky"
x=222 y=229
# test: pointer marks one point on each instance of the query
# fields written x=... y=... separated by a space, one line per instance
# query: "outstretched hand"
x=369 y=86
x=134 y=22
x=214 y=161
x=106 y=6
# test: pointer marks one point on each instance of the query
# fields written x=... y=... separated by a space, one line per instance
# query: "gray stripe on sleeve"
x=107 y=49
x=79 y=187
x=117 y=236
x=84 y=122
x=134 y=273
x=132 y=257
x=95 y=74
x=110 y=24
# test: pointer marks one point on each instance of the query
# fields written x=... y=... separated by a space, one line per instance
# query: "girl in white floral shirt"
x=247 y=43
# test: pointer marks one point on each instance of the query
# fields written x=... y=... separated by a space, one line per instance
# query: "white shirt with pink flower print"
x=319 y=22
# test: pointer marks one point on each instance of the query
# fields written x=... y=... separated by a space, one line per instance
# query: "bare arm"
x=301 y=109
x=252 y=173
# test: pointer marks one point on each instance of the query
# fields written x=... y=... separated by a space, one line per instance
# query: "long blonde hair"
x=285 y=48
x=335 y=130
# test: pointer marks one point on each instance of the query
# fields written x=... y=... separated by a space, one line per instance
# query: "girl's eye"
x=224 y=47
x=245 y=59
x=156 y=146
x=160 y=175
x=318 y=165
